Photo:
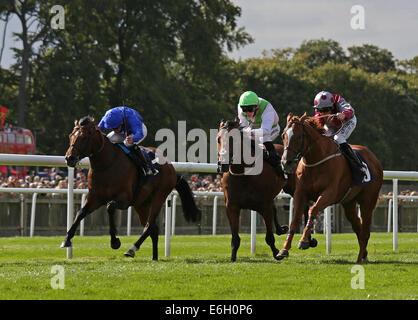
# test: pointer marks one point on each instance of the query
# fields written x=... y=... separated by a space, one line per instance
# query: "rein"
x=300 y=154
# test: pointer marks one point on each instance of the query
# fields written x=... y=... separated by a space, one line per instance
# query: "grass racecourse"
x=199 y=269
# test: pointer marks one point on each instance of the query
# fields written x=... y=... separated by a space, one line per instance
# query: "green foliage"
x=371 y=59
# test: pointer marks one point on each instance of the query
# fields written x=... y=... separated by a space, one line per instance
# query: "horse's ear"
x=289 y=116
x=303 y=118
x=236 y=119
x=221 y=123
x=75 y=123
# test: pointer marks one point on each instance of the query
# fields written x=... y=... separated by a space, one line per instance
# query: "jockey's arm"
x=135 y=126
x=243 y=122
x=344 y=108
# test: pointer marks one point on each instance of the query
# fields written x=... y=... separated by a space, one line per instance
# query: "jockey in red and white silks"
x=344 y=121
x=341 y=124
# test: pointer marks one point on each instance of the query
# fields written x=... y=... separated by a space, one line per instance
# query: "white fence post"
x=328 y=228
x=167 y=224
x=173 y=215
x=32 y=215
x=395 y=214
x=83 y=199
x=253 y=230
x=215 y=214
x=129 y=222
x=390 y=204
x=70 y=206
x=290 y=211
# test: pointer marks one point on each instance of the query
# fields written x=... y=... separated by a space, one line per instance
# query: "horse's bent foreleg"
x=114 y=241
x=268 y=214
x=321 y=203
x=81 y=214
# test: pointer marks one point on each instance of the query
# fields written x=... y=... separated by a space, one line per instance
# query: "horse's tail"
x=190 y=210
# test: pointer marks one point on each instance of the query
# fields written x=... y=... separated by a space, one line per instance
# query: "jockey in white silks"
x=259 y=119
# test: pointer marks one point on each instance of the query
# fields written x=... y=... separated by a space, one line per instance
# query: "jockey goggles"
x=249 y=108
x=322 y=110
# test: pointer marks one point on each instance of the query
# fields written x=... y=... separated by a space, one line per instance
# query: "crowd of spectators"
x=205 y=183
x=50 y=178
x=406 y=192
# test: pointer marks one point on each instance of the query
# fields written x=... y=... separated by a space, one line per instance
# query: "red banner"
x=3 y=111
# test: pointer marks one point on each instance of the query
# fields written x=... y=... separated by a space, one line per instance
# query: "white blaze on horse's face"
x=289 y=133
x=222 y=152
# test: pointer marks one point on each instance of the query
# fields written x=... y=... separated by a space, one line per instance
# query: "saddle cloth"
x=358 y=177
x=149 y=156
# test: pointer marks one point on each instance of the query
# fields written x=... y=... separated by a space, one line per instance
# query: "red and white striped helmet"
x=324 y=99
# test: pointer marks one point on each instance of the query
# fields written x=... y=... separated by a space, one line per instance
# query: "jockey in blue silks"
x=128 y=128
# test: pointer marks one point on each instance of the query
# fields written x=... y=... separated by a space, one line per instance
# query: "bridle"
x=226 y=167
x=77 y=128
x=300 y=153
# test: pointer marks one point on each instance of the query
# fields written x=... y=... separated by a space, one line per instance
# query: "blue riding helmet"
x=113 y=118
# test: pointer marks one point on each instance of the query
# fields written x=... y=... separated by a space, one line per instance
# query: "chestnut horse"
x=115 y=181
x=323 y=175
x=255 y=192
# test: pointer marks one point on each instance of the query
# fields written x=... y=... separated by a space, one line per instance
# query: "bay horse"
x=323 y=175
x=254 y=192
x=114 y=180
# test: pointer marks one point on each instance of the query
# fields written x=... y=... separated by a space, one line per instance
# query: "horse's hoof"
x=130 y=253
x=303 y=245
x=283 y=230
x=282 y=254
x=313 y=243
x=115 y=244
x=66 y=244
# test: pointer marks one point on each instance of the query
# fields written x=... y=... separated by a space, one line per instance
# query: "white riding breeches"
x=270 y=136
x=344 y=133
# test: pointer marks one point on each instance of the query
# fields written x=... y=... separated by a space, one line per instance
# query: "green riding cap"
x=248 y=98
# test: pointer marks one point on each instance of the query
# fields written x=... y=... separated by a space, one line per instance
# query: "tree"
x=164 y=58
x=317 y=52
x=371 y=58
x=27 y=11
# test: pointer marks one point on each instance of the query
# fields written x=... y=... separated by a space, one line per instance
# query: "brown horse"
x=324 y=176
x=242 y=191
x=114 y=180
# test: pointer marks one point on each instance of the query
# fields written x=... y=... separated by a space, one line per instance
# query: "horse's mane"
x=86 y=120
x=316 y=124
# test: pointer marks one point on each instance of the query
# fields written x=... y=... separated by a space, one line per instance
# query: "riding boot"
x=273 y=158
x=143 y=163
x=351 y=155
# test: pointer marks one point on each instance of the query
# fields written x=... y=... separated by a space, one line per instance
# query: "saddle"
x=140 y=154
